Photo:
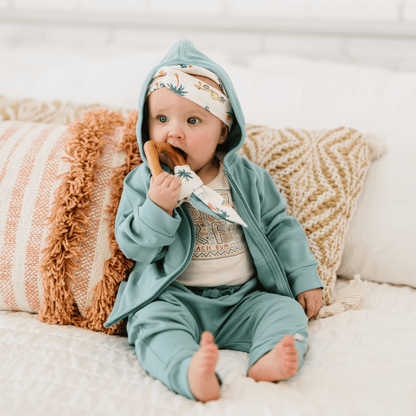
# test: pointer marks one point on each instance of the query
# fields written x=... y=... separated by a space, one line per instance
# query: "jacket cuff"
x=159 y=220
x=306 y=278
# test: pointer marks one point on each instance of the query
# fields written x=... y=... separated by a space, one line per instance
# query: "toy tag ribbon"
x=196 y=192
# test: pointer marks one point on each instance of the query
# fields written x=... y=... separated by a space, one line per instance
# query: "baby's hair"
x=145 y=122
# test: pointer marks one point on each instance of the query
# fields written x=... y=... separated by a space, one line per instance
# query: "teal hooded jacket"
x=162 y=245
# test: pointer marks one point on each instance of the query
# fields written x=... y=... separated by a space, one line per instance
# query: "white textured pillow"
x=381 y=240
x=302 y=93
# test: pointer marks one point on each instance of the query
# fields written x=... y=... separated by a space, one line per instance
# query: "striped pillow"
x=30 y=162
x=35 y=164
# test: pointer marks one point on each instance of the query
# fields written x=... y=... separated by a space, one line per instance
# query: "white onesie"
x=221 y=255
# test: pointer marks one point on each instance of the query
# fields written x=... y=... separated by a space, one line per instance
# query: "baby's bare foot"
x=278 y=364
x=202 y=380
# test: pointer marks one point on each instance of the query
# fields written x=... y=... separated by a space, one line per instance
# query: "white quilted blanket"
x=360 y=362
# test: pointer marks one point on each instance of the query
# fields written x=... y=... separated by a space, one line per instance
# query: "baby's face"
x=186 y=126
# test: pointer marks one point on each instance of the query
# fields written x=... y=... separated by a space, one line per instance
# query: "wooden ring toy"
x=152 y=151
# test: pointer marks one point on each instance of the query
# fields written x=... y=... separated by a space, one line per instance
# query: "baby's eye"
x=163 y=119
x=193 y=120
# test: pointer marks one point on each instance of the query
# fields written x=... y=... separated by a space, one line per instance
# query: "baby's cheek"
x=208 y=145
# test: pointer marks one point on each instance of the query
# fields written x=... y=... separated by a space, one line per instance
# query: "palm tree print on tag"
x=184 y=174
x=224 y=215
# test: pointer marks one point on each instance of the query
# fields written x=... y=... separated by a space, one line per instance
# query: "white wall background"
x=376 y=32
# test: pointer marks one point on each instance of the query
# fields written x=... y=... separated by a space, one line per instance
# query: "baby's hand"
x=164 y=191
x=311 y=302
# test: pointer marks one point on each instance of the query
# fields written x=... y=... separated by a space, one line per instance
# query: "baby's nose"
x=176 y=131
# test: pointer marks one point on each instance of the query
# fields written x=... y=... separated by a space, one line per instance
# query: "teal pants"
x=166 y=333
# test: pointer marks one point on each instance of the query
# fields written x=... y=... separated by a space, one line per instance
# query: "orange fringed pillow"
x=82 y=265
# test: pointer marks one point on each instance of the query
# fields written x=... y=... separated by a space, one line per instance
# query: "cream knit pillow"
x=321 y=174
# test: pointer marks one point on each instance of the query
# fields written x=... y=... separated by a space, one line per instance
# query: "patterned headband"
x=180 y=80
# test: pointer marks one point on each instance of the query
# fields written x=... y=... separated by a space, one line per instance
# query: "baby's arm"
x=289 y=240
x=143 y=230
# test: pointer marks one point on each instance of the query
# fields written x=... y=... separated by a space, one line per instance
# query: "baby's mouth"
x=181 y=152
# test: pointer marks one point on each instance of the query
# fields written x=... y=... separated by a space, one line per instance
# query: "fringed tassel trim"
x=117 y=267
x=69 y=217
x=347 y=299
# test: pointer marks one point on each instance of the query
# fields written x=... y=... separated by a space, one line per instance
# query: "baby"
x=202 y=282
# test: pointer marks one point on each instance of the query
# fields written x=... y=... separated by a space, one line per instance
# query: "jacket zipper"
x=264 y=242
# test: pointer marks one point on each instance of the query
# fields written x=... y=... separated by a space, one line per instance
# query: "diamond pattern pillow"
x=321 y=174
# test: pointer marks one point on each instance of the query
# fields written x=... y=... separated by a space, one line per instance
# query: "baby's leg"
x=165 y=337
x=280 y=363
x=284 y=317
x=263 y=324
x=202 y=379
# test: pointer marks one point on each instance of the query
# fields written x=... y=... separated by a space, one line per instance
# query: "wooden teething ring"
x=152 y=150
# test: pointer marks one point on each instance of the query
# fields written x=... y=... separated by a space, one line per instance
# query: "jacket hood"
x=184 y=53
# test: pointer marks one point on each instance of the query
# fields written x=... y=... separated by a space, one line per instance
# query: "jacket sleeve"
x=142 y=229
x=288 y=238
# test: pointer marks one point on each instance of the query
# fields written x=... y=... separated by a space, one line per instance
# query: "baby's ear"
x=224 y=133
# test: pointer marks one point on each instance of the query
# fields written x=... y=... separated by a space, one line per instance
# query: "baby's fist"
x=311 y=302
x=164 y=191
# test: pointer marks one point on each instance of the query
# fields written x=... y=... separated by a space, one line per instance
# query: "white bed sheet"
x=361 y=362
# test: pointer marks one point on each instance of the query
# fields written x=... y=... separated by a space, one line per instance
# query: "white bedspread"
x=360 y=362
